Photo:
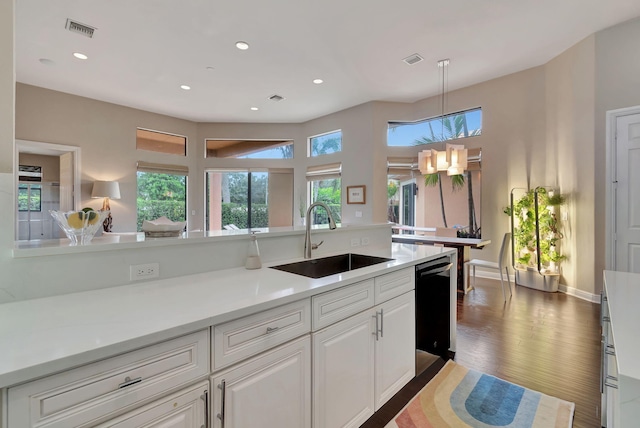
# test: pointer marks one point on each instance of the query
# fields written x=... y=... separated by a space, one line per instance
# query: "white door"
x=271 y=390
x=395 y=347
x=626 y=195
x=343 y=372
x=184 y=409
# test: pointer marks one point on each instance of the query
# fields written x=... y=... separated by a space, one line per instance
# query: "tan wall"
x=617 y=85
x=106 y=134
x=569 y=149
x=50 y=165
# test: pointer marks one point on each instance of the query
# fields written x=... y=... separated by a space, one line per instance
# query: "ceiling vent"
x=76 y=27
x=413 y=59
x=276 y=98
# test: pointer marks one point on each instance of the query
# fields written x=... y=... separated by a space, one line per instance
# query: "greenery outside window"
x=450 y=127
x=29 y=198
x=162 y=192
x=325 y=144
x=325 y=185
x=237 y=199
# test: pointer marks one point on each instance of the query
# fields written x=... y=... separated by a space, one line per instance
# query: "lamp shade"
x=106 y=189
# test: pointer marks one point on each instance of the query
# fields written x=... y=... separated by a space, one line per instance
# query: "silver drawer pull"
x=612 y=378
x=205 y=397
x=272 y=329
x=128 y=382
x=223 y=389
x=611 y=385
x=608 y=352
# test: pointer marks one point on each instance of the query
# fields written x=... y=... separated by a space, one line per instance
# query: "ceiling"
x=142 y=51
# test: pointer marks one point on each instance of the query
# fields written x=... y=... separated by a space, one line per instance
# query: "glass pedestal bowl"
x=79 y=226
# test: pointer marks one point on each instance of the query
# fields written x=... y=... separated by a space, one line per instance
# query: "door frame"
x=611 y=180
x=401 y=207
x=38 y=147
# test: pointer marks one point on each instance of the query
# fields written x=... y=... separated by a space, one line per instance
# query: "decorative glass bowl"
x=79 y=226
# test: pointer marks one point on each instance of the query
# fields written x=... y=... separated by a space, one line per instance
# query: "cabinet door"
x=184 y=409
x=395 y=346
x=270 y=390
x=343 y=370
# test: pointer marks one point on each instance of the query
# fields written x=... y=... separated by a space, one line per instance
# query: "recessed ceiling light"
x=185 y=87
x=243 y=46
x=80 y=55
x=318 y=81
x=46 y=61
x=254 y=108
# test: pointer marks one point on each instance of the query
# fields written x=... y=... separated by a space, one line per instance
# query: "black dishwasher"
x=433 y=307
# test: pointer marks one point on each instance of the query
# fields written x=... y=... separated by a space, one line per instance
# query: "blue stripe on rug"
x=494 y=402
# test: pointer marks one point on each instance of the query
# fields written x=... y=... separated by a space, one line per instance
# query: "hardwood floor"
x=549 y=342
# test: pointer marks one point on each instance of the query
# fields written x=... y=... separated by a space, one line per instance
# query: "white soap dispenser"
x=253 y=255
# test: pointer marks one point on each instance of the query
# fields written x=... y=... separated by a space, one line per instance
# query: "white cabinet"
x=244 y=337
x=184 y=409
x=343 y=372
x=270 y=390
x=395 y=347
x=361 y=362
x=98 y=391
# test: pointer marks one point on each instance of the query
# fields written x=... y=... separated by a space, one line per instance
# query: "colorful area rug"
x=460 y=397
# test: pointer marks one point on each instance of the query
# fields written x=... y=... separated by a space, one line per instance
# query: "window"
x=29 y=197
x=325 y=185
x=325 y=144
x=162 y=192
x=456 y=125
x=161 y=142
x=249 y=149
x=249 y=198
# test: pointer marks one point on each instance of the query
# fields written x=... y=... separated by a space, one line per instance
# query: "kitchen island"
x=59 y=334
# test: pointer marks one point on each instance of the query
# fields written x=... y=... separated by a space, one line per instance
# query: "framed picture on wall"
x=356 y=194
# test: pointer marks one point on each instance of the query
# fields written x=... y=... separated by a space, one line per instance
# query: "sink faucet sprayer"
x=308 y=246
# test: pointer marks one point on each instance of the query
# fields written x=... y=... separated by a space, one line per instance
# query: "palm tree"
x=453 y=126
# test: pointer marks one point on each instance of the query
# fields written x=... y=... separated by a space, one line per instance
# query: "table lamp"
x=107 y=190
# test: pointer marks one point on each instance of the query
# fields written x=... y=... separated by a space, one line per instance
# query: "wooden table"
x=458 y=243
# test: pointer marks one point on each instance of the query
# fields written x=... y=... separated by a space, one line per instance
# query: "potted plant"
x=536 y=236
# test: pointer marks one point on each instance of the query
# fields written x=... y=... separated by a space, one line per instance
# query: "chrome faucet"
x=308 y=246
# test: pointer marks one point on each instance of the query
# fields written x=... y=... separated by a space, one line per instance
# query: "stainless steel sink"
x=319 y=268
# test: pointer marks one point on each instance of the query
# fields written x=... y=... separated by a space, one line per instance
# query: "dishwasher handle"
x=437 y=270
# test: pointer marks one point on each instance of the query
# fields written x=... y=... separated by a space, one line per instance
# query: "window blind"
x=324 y=172
x=162 y=168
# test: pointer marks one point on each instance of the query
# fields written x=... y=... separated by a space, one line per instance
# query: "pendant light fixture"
x=454 y=159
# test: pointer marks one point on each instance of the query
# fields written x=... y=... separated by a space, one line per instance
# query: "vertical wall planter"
x=536 y=236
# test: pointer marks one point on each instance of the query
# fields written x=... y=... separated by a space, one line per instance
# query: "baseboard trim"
x=571 y=291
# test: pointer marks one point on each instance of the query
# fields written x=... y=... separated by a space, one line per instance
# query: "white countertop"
x=623 y=294
x=43 y=336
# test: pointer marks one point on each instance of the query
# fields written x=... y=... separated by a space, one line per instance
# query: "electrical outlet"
x=364 y=241
x=355 y=242
x=144 y=271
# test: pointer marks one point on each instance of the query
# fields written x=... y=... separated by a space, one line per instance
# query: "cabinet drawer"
x=185 y=408
x=336 y=305
x=394 y=284
x=244 y=337
x=88 y=393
